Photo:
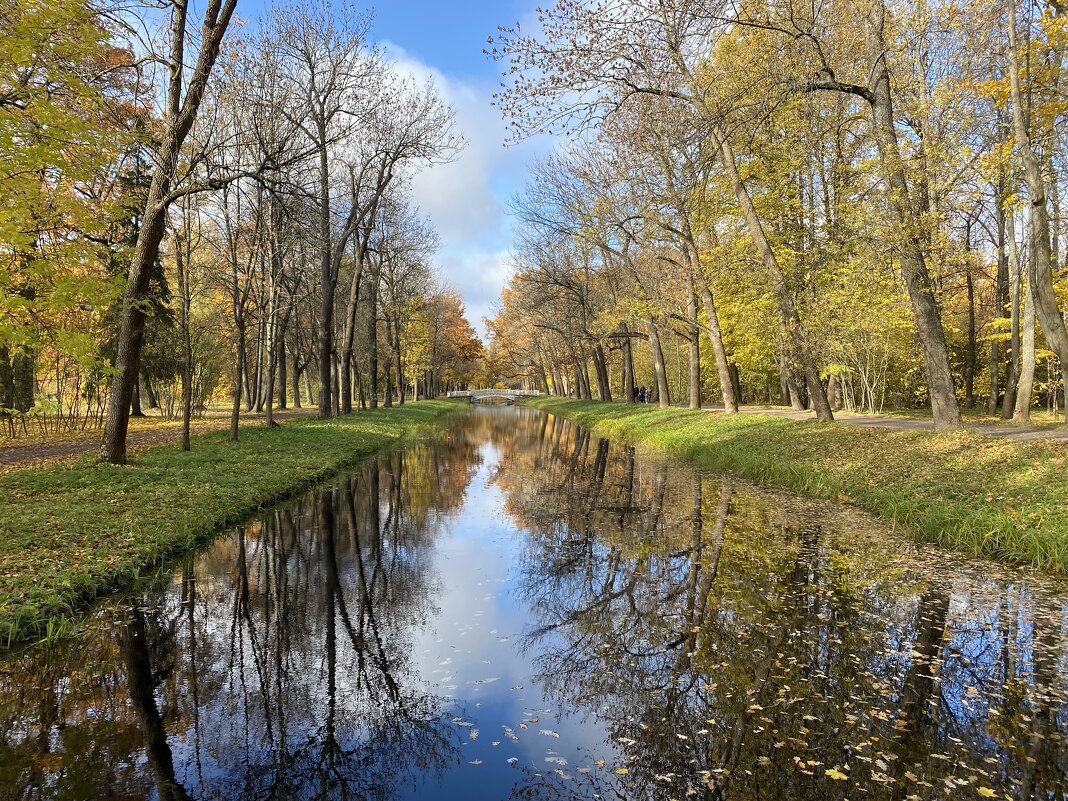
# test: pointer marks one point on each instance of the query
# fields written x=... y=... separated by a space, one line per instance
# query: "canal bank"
x=993 y=498
x=71 y=532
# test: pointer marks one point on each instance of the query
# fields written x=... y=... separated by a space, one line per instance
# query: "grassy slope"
x=985 y=496
x=72 y=531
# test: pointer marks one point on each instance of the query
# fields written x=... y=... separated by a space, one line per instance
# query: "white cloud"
x=479 y=276
x=466 y=198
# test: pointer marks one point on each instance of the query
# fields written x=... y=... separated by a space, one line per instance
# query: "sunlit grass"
x=70 y=532
x=988 y=497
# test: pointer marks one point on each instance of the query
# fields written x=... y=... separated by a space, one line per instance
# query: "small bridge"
x=508 y=396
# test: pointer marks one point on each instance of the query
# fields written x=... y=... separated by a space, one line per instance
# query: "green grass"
x=73 y=531
x=984 y=496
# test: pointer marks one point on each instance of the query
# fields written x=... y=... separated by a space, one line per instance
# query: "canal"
x=516 y=609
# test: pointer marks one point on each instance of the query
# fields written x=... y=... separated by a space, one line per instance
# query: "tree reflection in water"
x=739 y=647
x=275 y=665
x=695 y=637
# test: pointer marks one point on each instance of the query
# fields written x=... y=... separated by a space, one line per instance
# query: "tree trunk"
x=135 y=401
x=239 y=374
x=272 y=364
x=372 y=339
x=180 y=252
x=7 y=379
x=542 y=380
x=335 y=388
x=1025 y=386
x=1012 y=379
x=600 y=364
x=256 y=393
x=149 y=395
x=249 y=403
x=1040 y=275
x=1001 y=306
x=736 y=382
x=663 y=390
x=726 y=387
x=970 y=354
x=944 y=408
x=629 y=381
x=785 y=301
x=784 y=378
x=296 y=385
x=350 y=337
x=694 y=350
x=132 y=325
x=308 y=387
x=283 y=369
x=397 y=364
x=327 y=281
x=272 y=319
x=387 y=370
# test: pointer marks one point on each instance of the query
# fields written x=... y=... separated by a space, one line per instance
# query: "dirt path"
x=1005 y=431
x=16 y=455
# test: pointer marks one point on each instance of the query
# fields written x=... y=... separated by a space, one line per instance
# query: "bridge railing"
x=480 y=393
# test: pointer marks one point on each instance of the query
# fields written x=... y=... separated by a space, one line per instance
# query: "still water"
x=517 y=609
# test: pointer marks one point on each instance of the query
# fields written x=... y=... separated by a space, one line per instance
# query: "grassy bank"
x=987 y=497
x=70 y=532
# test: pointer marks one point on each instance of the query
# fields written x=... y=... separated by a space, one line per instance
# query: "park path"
x=20 y=454
x=1005 y=431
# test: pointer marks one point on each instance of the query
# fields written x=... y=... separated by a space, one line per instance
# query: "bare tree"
x=333 y=70
x=183 y=96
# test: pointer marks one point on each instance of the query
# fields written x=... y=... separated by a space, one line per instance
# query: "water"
x=520 y=610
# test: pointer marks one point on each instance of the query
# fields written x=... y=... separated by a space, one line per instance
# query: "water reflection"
x=275 y=665
x=742 y=645
x=683 y=636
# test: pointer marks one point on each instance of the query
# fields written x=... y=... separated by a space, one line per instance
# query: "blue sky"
x=468 y=198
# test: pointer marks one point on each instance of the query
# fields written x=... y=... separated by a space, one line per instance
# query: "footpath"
x=1018 y=433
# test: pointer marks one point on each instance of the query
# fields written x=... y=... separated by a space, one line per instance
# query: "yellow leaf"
x=834 y=773
x=986 y=792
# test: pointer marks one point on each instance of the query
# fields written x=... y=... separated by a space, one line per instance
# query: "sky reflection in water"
x=521 y=610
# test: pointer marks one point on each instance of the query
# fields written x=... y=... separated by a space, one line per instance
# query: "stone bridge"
x=494 y=395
